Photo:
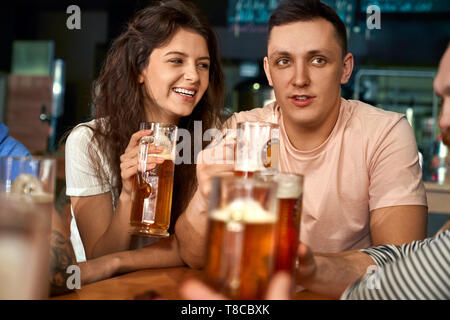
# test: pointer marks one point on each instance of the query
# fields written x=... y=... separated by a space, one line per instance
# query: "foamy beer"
x=151 y=195
x=242 y=224
x=257 y=148
x=27 y=186
x=289 y=195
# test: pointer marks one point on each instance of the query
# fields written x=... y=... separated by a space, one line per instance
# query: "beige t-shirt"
x=369 y=161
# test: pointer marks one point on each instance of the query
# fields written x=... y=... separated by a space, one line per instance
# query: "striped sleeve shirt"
x=416 y=271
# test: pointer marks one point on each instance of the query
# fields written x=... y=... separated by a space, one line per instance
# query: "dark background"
x=406 y=39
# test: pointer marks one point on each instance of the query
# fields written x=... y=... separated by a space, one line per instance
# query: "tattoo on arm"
x=61 y=257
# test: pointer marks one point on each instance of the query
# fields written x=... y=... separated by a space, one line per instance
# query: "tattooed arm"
x=61 y=256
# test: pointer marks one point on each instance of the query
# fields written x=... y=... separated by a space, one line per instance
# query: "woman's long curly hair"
x=120 y=99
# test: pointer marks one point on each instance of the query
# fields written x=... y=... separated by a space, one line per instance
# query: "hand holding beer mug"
x=26 y=199
x=241 y=237
x=256 y=148
x=151 y=194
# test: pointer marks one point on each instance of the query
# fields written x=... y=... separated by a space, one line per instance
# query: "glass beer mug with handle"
x=241 y=236
x=257 y=146
x=27 y=186
x=151 y=195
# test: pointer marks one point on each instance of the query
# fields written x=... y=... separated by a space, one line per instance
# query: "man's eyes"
x=282 y=62
x=319 y=61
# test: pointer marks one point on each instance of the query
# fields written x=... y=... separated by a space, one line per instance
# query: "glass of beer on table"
x=151 y=195
x=27 y=186
x=289 y=195
x=241 y=236
x=256 y=148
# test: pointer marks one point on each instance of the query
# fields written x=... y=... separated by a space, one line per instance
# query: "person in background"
x=165 y=68
x=363 y=182
x=10 y=146
x=417 y=270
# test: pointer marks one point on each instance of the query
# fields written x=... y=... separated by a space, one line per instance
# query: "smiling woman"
x=164 y=67
x=176 y=76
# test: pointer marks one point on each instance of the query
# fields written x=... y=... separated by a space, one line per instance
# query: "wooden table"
x=165 y=282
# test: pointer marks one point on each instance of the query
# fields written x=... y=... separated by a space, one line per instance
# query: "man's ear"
x=267 y=71
x=348 y=64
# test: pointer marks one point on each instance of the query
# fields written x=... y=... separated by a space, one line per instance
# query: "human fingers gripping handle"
x=129 y=160
x=306 y=263
x=136 y=138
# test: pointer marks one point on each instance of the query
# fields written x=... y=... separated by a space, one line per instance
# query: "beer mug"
x=289 y=195
x=27 y=186
x=241 y=236
x=257 y=148
x=151 y=195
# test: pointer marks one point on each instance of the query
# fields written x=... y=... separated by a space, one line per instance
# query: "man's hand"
x=307 y=266
x=217 y=158
x=444 y=228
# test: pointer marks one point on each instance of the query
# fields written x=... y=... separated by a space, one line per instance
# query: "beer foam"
x=289 y=190
x=161 y=140
x=29 y=185
x=25 y=183
x=165 y=155
x=42 y=197
x=245 y=210
x=248 y=166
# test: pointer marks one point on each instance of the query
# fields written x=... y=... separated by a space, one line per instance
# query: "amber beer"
x=151 y=195
x=241 y=242
x=288 y=229
x=244 y=174
x=157 y=195
x=256 y=148
x=289 y=195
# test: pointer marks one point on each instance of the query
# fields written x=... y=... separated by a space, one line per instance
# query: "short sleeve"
x=394 y=170
x=18 y=149
x=81 y=178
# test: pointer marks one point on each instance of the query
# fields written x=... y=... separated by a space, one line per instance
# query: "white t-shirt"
x=81 y=179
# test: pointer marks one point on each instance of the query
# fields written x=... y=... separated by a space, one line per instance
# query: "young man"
x=417 y=270
x=363 y=183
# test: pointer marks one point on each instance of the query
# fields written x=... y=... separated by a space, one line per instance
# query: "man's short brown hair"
x=290 y=11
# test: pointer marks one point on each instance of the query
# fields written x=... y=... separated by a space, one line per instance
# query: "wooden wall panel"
x=26 y=95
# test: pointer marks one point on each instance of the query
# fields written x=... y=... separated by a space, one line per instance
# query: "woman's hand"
x=129 y=161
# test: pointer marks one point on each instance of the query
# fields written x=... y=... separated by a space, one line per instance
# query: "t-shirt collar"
x=318 y=150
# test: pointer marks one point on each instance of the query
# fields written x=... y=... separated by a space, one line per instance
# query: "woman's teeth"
x=185 y=92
